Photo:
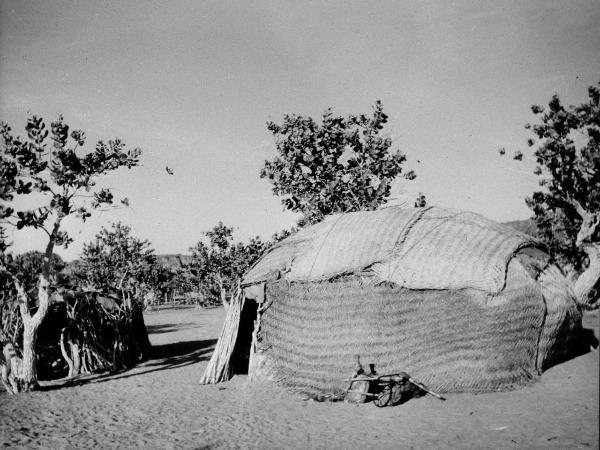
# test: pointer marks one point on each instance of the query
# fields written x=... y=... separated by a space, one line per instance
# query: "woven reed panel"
x=453 y=341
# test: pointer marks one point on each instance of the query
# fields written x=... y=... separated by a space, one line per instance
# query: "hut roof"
x=424 y=248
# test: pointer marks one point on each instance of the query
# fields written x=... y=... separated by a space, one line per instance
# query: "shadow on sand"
x=587 y=342
x=169 y=327
x=163 y=357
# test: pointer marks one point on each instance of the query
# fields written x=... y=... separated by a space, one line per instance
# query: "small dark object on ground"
x=386 y=390
x=360 y=389
x=395 y=390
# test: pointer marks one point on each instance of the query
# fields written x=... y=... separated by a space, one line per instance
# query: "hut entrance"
x=241 y=351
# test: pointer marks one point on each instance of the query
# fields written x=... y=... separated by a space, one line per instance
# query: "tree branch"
x=122 y=279
x=50 y=247
x=580 y=209
x=45 y=230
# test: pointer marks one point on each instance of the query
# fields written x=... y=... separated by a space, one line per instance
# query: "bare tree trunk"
x=27 y=376
x=31 y=325
x=29 y=368
x=587 y=286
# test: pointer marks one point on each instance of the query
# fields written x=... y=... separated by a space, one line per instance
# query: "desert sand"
x=160 y=404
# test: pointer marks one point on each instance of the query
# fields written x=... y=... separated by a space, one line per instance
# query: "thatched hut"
x=458 y=301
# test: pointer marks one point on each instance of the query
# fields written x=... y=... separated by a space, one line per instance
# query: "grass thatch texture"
x=347 y=243
x=423 y=248
x=280 y=256
x=459 y=340
x=454 y=250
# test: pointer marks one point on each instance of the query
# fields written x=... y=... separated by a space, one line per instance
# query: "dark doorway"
x=241 y=351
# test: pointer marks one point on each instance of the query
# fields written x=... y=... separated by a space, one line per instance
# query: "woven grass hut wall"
x=458 y=301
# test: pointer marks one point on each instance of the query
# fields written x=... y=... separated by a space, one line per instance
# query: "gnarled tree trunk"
x=587 y=286
x=31 y=323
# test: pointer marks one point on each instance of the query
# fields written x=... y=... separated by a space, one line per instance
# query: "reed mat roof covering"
x=425 y=248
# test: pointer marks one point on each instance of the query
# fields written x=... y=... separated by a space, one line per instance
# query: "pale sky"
x=193 y=82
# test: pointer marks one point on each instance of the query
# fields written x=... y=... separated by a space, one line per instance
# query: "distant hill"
x=526 y=226
x=176 y=261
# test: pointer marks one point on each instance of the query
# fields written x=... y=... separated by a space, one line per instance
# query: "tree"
x=118 y=262
x=163 y=280
x=566 y=147
x=211 y=262
x=340 y=165
x=244 y=255
x=53 y=170
x=218 y=262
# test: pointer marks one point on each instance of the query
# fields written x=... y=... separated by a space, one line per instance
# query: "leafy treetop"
x=218 y=262
x=567 y=151
x=117 y=260
x=340 y=165
x=49 y=164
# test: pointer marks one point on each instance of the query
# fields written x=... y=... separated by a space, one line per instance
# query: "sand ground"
x=161 y=405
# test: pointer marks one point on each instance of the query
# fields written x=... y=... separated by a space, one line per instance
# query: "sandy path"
x=160 y=405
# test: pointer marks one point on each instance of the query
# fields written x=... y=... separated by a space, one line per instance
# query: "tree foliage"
x=118 y=261
x=566 y=146
x=343 y=164
x=27 y=267
x=167 y=280
x=57 y=172
x=218 y=262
